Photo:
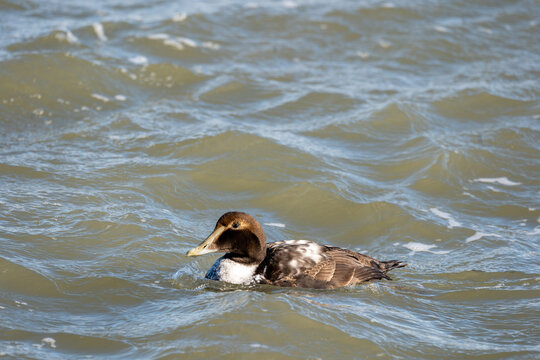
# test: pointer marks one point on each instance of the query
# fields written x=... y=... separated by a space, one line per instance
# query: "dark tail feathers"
x=386 y=266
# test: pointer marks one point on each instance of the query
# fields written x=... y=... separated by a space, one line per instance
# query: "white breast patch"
x=231 y=272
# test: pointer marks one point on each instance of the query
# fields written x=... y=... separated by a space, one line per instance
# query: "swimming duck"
x=249 y=259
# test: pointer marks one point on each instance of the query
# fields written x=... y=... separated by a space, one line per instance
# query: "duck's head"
x=239 y=235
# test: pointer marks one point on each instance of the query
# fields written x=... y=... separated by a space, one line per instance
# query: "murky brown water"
x=409 y=131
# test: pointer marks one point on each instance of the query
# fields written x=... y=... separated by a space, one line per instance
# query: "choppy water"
x=408 y=130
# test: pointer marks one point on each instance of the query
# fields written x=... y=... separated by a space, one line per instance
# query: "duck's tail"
x=391 y=264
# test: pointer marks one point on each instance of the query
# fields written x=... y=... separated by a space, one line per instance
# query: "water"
x=409 y=131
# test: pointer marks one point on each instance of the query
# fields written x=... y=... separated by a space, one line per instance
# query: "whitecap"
x=211 y=45
x=362 y=54
x=120 y=97
x=444 y=215
x=67 y=36
x=49 y=341
x=100 y=97
x=385 y=44
x=100 y=32
x=139 y=60
x=500 y=180
x=179 y=17
x=289 y=4
x=485 y=30
x=159 y=36
x=187 y=41
x=441 y=29
x=175 y=44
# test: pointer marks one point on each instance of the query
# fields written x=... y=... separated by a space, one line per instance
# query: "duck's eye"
x=235 y=225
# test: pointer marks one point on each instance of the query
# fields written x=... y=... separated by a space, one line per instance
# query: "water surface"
x=407 y=131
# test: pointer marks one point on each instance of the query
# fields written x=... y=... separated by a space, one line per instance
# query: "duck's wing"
x=303 y=263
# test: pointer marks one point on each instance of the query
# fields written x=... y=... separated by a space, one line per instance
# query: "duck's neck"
x=253 y=257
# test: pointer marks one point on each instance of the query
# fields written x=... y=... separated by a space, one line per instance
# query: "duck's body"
x=296 y=263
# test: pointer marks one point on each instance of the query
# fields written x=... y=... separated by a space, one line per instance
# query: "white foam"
x=211 y=45
x=139 y=60
x=441 y=29
x=362 y=54
x=179 y=17
x=415 y=246
x=275 y=224
x=173 y=43
x=385 y=44
x=100 y=97
x=67 y=36
x=100 y=32
x=120 y=97
x=444 y=215
x=500 y=180
x=159 y=36
x=186 y=41
x=536 y=231
x=289 y=4
x=49 y=341
x=485 y=30
x=420 y=247
x=478 y=235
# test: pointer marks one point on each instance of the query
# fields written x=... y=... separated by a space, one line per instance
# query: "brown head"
x=238 y=235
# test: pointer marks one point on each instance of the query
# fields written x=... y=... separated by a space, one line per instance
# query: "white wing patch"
x=296 y=255
x=308 y=249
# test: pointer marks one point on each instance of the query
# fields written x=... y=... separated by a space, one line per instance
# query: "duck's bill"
x=207 y=245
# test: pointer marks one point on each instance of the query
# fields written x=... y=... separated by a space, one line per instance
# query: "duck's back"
x=302 y=263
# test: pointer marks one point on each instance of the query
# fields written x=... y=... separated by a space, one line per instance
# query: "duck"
x=249 y=260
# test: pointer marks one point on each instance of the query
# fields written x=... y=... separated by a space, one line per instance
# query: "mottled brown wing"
x=353 y=268
x=289 y=264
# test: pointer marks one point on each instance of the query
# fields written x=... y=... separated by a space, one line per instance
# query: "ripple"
x=404 y=131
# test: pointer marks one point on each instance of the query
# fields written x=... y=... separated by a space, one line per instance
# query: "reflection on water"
x=406 y=131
